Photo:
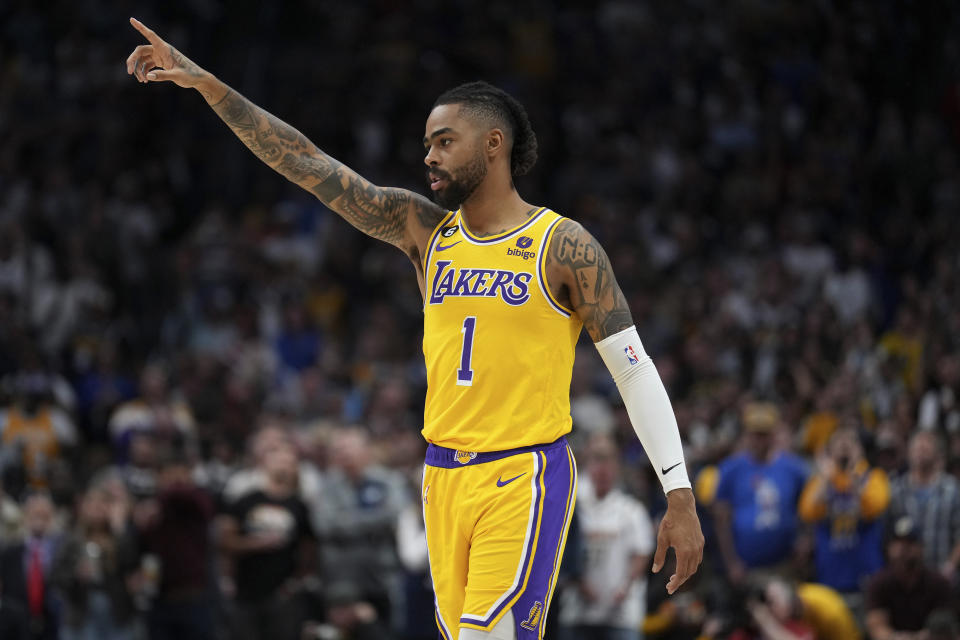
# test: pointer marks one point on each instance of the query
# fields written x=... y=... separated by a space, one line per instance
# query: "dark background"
x=776 y=184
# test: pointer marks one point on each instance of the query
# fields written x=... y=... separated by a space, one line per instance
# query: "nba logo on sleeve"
x=632 y=356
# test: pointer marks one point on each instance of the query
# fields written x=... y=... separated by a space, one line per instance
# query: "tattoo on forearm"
x=595 y=296
x=377 y=211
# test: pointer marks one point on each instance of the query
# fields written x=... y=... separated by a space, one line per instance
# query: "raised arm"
x=580 y=275
x=397 y=216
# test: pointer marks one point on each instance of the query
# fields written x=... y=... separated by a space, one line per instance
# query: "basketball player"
x=506 y=288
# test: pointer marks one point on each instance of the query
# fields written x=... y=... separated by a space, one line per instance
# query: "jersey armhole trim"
x=542 y=272
x=433 y=239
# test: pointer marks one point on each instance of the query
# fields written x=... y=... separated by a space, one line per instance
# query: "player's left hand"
x=680 y=529
x=158 y=61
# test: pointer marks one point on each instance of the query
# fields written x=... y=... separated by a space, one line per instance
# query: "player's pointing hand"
x=159 y=62
x=680 y=529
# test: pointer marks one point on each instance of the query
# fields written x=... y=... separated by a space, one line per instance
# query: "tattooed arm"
x=397 y=216
x=382 y=212
x=582 y=278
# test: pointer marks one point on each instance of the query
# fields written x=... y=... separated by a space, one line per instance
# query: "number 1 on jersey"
x=465 y=373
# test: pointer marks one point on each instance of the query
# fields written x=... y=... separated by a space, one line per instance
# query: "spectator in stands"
x=101 y=387
x=608 y=602
x=939 y=407
x=14 y=624
x=902 y=596
x=35 y=433
x=174 y=577
x=273 y=434
x=942 y=625
x=218 y=466
x=826 y=612
x=298 y=343
x=11 y=517
x=140 y=471
x=820 y=425
x=903 y=346
x=418 y=599
x=156 y=410
x=733 y=209
x=350 y=616
x=756 y=498
x=889 y=450
x=774 y=613
x=268 y=537
x=26 y=567
x=845 y=499
x=91 y=571
x=931 y=499
x=357 y=522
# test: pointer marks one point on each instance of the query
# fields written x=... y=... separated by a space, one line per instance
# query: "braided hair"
x=497 y=107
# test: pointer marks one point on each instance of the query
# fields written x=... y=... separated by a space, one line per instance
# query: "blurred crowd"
x=211 y=387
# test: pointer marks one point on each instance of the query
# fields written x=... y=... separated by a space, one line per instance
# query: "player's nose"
x=431 y=159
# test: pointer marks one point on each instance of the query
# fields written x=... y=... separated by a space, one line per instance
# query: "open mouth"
x=437 y=182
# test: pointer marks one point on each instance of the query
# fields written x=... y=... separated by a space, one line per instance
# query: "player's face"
x=455 y=163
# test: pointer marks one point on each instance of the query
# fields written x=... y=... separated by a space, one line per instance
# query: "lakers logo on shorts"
x=463 y=457
x=533 y=618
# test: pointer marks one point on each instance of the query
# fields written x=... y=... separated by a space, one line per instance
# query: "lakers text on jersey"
x=498 y=347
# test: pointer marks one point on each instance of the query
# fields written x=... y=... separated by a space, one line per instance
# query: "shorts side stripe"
x=558 y=558
x=440 y=625
x=506 y=600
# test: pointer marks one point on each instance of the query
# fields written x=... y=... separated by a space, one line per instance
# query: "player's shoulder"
x=570 y=244
x=568 y=227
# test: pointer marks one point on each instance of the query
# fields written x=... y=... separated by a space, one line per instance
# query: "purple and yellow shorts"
x=496 y=526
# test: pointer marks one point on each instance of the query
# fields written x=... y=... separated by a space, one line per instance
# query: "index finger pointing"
x=146 y=31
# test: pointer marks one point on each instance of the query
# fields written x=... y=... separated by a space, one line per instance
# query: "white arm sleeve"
x=647 y=404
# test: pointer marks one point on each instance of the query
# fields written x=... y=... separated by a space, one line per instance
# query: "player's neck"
x=494 y=207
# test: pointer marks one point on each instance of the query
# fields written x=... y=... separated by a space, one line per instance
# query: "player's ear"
x=496 y=141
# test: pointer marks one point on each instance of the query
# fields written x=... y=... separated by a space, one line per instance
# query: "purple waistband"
x=453 y=459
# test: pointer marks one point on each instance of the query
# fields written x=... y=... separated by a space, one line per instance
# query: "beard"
x=451 y=196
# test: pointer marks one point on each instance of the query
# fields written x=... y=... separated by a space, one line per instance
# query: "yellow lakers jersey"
x=498 y=347
x=39 y=440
